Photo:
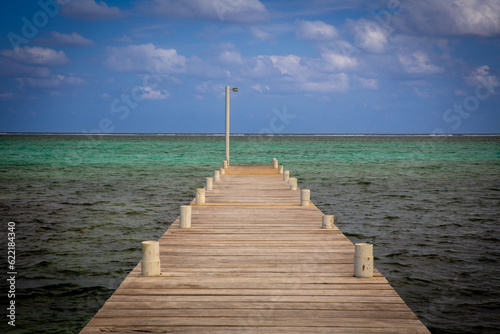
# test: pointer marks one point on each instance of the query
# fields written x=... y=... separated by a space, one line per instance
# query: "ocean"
x=81 y=205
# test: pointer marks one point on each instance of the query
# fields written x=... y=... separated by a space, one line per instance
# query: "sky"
x=316 y=66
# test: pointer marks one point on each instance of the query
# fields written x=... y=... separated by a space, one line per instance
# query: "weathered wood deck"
x=255 y=261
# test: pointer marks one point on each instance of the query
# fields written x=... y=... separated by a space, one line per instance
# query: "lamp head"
x=234 y=90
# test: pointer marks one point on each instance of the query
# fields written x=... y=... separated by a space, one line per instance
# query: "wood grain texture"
x=254 y=261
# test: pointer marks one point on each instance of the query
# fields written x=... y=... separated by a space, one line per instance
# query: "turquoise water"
x=82 y=205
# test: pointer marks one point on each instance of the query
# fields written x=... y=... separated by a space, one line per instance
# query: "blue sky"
x=318 y=66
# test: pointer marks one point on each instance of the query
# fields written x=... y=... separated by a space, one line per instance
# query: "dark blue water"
x=82 y=205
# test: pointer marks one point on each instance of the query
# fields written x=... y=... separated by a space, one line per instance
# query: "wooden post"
x=363 y=260
x=275 y=163
x=272 y=163
x=305 y=197
x=209 y=183
x=327 y=221
x=150 y=265
x=224 y=164
x=280 y=169
x=293 y=183
x=200 y=196
x=222 y=171
x=286 y=175
x=216 y=175
x=185 y=219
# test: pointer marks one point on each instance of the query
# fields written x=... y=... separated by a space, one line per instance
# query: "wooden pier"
x=254 y=261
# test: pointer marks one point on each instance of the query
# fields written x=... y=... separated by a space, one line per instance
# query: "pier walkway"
x=255 y=261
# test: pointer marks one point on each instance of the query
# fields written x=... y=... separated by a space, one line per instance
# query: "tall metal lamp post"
x=227 y=120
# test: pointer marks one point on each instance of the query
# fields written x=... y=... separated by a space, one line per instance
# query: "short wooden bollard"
x=363 y=260
x=216 y=175
x=275 y=163
x=209 y=183
x=327 y=221
x=305 y=197
x=293 y=183
x=222 y=171
x=185 y=219
x=224 y=164
x=286 y=175
x=200 y=196
x=150 y=265
x=280 y=169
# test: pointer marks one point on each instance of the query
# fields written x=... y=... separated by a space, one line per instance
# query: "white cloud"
x=124 y=39
x=247 y=11
x=335 y=83
x=481 y=76
x=450 y=18
x=337 y=62
x=423 y=93
x=260 y=67
x=261 y=34
x=368 y=35
x=210 y=88
x=137 y=58
x=90 y=10
x=315 y=30
x=261 y=88
x=36 y=55
x=151 y=94
x=298 y=74
x=418 y=62
x=73 y=39
x=368 y=83
x=231 y=57
x=289 y=65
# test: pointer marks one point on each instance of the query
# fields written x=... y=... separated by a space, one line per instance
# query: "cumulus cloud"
x=36 y=55
x=247 y=11
x=315 y=30
x=148 y=93
x=289 y=65
x=137 y=58
x=73 y=39
x=418 y=62
x=30 y=61
x=90 y=10
x=368 y=35
x=481 y=76
x=338 y=62
x=297 y=74
x=450 y=18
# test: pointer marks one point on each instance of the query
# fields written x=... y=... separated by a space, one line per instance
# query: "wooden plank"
x=350 y=307
x=255 y=261
x=252 y=330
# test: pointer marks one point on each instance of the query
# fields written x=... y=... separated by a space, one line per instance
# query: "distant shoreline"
x=250 y=134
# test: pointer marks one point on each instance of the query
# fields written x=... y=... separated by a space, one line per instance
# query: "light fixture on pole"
x=227 y=120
